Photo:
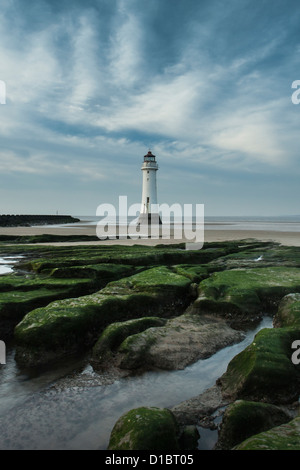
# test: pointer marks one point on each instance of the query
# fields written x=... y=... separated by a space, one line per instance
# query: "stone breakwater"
x=28 y=220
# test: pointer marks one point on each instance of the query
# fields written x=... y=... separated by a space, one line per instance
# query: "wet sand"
x=210 y=235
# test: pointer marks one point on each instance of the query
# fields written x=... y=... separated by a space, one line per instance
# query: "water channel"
x=48 y=411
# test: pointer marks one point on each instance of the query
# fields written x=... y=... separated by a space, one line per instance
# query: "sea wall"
x=25 y=220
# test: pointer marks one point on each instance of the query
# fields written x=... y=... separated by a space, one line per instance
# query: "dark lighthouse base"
x=149 y=219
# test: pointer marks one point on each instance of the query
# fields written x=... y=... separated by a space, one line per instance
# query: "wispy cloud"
x=89 y=86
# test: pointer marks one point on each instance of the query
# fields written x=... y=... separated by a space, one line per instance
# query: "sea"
x=290 y=223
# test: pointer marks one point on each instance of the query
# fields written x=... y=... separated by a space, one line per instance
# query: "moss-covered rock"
x=189 y=437
x=63 y=327
x=72 y=325
x=137 y=255
x=12 y=284
x=19 y=295
x=288 y=312
x=134 y=351
x=258 y=255
x=195 y=273
x=115 y=334
x=243 y=293
x=145 y=429
x=180 y=342
x=243 y=419
x=99 y=272
x=264 y=370
x=284 y=437
x=159 y=280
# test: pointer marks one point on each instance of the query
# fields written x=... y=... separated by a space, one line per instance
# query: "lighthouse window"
x=148 y=172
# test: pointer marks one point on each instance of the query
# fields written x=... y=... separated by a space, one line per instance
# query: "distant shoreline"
x=288 y=238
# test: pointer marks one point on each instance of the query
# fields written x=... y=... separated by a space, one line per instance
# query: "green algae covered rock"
x=288 y=312
x=180 y=342
x=134 y=351
x=21 y=294
x=189 y=437
x=104 y=272
x=195 y=273
x=247 y=291
x=71 y=325
x=115 y=334
x=243 y=419
x=145 y=428
x=284 y=437
x=259 y=255
x=264 y=370
x=158 y=280
x=137 y=255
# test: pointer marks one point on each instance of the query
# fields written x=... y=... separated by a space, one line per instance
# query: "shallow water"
x=277 y=224
x=37 y=415
x=6 y=264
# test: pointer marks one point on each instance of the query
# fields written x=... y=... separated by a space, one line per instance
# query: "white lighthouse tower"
x=149 y=208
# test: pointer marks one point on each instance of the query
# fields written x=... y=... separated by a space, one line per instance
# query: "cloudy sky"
x=91 y=85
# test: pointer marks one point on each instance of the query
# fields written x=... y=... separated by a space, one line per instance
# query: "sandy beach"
x=210 y=235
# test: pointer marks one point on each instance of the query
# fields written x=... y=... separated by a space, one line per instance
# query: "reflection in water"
x=4 y=267
x=6 y=264
x=36 y=415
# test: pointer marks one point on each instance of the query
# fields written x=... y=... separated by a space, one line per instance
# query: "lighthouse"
x=149 y=208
